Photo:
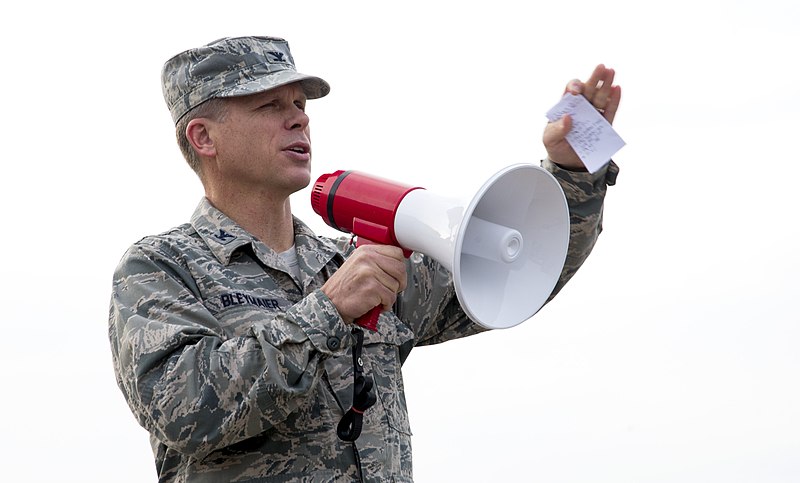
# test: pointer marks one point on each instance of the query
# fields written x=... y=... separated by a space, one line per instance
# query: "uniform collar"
x=224 y=236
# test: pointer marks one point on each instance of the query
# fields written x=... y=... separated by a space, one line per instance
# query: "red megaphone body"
x=364 y=205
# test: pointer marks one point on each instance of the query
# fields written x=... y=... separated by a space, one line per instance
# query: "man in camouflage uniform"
x=231 y=334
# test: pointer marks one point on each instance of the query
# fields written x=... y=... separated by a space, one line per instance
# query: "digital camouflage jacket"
x=241 y=373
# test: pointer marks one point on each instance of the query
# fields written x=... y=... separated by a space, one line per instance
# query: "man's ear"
x=197 y=133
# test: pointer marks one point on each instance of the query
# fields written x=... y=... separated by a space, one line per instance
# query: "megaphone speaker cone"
x=505 y=248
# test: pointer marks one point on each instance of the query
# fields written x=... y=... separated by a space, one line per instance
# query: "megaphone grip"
x=369 y=320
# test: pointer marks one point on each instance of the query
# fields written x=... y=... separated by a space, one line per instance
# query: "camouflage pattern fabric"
x=241 y=372
x=585 y=194
x=231 y=67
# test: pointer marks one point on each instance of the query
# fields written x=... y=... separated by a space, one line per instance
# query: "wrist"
x=574 y=168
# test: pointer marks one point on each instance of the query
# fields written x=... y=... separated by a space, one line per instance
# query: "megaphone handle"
x=369 y=320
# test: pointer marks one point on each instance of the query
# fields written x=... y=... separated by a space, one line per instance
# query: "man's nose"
x=297 y=119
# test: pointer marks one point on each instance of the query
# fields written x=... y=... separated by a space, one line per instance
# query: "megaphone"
x=505 y=247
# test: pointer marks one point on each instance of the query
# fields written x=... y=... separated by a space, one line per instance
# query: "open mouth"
x=299 y=148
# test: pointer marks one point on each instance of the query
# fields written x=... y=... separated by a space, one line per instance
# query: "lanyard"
x=349 y=428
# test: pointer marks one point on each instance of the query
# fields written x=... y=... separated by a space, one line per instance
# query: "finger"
x=555 y=132
x=388 y=300
x=389 y=251
x=591 y=85
x=613 y=104
x=603 y=90
x=370 y=287
x=381 y=296
x=574 y=87
x=390 y=258
x=394 y=276
x=388 y=281
x=387 y=265
x=381 y=291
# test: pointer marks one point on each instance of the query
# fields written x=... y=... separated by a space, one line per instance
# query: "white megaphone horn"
x=505 y=248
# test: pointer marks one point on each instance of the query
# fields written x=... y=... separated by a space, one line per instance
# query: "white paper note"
x=591 y=136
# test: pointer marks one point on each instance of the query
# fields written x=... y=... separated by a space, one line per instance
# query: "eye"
x=300 y=105
x=269 y=105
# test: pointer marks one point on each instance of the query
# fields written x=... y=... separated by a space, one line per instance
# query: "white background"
x=671 y=357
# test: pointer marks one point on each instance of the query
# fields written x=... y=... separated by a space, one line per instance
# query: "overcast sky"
x=671 y=356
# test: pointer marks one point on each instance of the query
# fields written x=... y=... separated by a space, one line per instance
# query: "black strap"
x=349 y=428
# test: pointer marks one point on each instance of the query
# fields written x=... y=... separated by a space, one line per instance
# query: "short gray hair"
x=214 y=109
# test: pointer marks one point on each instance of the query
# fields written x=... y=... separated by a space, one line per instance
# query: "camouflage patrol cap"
x=231 y=67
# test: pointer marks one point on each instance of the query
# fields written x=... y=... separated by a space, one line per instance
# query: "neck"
x=268 y=218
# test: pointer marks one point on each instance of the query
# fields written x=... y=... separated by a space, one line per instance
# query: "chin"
x=300 y=181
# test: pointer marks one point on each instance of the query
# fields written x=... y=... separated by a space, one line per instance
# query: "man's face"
x=263 y=142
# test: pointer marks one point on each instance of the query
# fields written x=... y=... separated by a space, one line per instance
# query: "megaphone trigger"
x=361 y=241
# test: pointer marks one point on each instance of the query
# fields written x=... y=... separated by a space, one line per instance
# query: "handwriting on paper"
x=591 y=136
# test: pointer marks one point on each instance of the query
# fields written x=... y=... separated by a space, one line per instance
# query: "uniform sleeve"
x=429 y=305
x=585 y=193
x=194 y=389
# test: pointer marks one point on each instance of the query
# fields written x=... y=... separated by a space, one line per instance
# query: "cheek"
x=229 y=150
x=248 y=143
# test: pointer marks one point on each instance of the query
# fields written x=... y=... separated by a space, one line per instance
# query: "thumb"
x=574 y=87
x=556 y=131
